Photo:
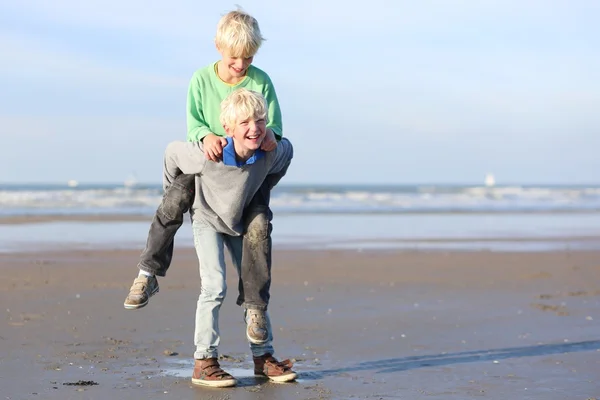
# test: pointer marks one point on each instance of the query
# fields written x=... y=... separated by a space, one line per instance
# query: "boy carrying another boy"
x=238 y=39
x=223 y=191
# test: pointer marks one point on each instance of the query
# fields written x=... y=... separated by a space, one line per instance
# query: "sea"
x=358 y=217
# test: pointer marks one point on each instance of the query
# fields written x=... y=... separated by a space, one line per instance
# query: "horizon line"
x=368 y=184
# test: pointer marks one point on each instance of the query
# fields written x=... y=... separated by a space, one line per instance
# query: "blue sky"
x=385 y=91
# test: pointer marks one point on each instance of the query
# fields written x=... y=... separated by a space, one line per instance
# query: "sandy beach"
x=370 y=324
x=436 y=235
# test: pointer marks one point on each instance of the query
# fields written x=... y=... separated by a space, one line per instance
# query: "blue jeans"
x=210 y=247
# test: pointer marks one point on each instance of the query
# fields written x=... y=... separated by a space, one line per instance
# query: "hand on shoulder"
x=213 y=147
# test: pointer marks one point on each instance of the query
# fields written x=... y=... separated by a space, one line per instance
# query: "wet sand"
x=373 y=325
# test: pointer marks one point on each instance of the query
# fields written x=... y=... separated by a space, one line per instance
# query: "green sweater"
x=207 y=91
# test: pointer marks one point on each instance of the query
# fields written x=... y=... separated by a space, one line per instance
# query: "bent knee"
x=176 y=201
x=258 y=226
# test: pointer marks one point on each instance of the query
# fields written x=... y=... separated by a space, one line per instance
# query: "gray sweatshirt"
x=223 y=191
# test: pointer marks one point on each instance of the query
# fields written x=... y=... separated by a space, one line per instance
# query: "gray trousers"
x=255 y=271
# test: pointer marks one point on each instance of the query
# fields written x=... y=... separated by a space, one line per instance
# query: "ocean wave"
x=32 y=199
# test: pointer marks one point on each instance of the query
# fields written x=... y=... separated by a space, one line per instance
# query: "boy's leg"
x=177 y=200
x=211 y=256
x=255 y=272
x=258 y=326
x=262 y=353
x=209 y=247
x=255 y=276
x=158 y=253
x=255 y=269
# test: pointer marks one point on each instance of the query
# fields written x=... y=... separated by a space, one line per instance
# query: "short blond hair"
x=238 y=32
x=243 y=104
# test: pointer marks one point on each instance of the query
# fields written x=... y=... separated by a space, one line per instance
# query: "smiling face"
x=233 y=68
x=238 y=39
x=244 y=118
x=247 y=134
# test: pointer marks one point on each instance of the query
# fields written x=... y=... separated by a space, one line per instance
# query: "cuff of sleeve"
x=277 y=133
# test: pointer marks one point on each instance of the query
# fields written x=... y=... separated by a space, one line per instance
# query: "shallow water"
x=494 y=232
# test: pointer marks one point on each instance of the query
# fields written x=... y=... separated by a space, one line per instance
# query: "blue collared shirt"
x=229 y=157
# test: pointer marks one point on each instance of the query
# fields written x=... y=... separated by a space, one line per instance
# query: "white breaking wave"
x=415 y=199
x=87 y=199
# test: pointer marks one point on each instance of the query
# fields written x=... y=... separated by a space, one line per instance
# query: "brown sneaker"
x=142 y=289
x=277 y=371
x=208 y=372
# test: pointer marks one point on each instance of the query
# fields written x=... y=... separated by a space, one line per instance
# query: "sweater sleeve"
x=283 y=157
x=182 y=158
x=275 y=119
x=197 y=127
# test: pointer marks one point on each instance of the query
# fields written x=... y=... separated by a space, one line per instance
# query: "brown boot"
x=277 y=371
x=208 y=372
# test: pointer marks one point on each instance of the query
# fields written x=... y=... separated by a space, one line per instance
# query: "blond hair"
x=243 y=104
x=239 y=33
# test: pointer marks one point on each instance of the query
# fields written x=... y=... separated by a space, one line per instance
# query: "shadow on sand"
x=435 y=360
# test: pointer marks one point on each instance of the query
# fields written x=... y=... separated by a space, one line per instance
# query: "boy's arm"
x=273 y=179
x=283 y=157
x=182 y=158
x=196 y=124
x=274 y=116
